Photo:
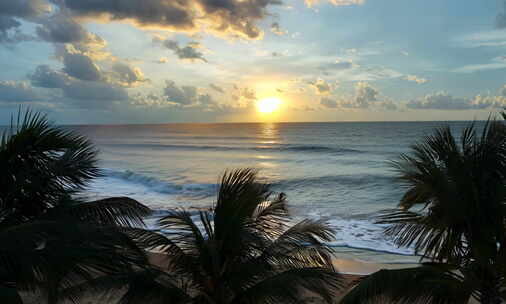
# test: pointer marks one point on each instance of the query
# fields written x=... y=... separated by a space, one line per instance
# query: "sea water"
x=337 y=171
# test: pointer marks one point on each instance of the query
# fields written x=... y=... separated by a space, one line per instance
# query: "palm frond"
x=292 y=285
x=239 y=196
x=61 y=253
x=424 y=284
x=148 y=286
x=119 y=211
x=41 y=163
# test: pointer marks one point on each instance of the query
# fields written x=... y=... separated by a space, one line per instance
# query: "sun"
x=268 y=105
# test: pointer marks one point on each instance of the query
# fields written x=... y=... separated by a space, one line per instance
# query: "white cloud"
x=311 y=3
x=445 y=101
x=417 y=79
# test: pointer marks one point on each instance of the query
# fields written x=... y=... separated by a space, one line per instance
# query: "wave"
x=361 y=234
x=354 y=232
x=370 y=180
x=161 y=186
x=263 y=148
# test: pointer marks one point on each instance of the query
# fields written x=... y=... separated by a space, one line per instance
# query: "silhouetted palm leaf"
x=425 y=284
x=244 y=251
x=50 y=239
x=454 y=213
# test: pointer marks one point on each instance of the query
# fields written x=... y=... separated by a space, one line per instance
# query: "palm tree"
x=244 y=251
x=51 y=240
x=453 y=214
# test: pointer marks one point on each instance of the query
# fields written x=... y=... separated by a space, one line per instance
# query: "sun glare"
x=268 y=105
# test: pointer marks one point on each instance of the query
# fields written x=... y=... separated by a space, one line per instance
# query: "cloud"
x=365 y=94
x=216 y=88
x=45 y=77
x=80 y=66
x=10 y=11
x=337 y=66
x=162 y=60
x=329 y=103
x=492 y=38
x=11 y=91
x=190 y=52
x=61 y=28
x=496 y=63
x=445 y=101
x=311 y=3
x=321 y=87
x=276 y=29
x=414 y=78
x=185 y=95
x=28 y=9
x=181 y=97
x=127 y=75
x=92 y=91
x=82 y=93
x=248 y=94
x=230 y=17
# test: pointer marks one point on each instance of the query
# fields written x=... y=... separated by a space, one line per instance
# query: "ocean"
x=338 y=171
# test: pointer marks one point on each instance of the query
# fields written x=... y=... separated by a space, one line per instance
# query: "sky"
x=157 y=61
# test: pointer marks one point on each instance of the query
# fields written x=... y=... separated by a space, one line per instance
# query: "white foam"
x=350 y=232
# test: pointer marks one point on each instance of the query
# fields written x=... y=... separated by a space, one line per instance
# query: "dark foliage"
x=49 y=239
x=242 y=252
x=453 y=213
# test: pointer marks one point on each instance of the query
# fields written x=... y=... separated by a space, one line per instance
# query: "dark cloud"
x=190 y=52
x=11 y=91
x=62 y=29
x=11 y=11
x=173 y=14
x=127 y=75
x=216 y=88
x=9 y=32
x=238 y=17
x=329 y=103
x=276 y=29
x=88 y=92
x=45 y=77
x=27 y=9
x=178 y=96
x=445 y=101
x=222 y=16
x=185 y=95
x=82 y=93
x=81 y=66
